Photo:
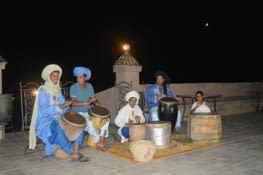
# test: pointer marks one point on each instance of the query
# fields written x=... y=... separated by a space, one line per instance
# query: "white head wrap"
x=53 y=89
x=131 y=94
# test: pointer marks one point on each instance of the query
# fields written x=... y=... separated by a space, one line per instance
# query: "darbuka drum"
x=73 y=124
x=203 y=127
x=167 y=110
x=159 y=132
x=137 y=131
x=99 y=115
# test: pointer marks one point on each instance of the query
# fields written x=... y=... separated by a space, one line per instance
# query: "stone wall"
x=236 y=97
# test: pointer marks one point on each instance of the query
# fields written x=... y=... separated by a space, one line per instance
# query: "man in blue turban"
x=83 y=98
x=80 y=70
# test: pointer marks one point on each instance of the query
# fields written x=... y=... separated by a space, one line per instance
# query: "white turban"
x=53 y=89
x=131 y=94
x=78 y=71
x=49 y=69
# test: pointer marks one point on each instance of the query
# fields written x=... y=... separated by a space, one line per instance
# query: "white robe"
x=204 y=108
x=125 y=114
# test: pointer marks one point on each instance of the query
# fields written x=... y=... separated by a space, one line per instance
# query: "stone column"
x=127 y=68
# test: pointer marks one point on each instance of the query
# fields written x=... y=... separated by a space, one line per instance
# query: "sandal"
x=102 y=148
x=82 y=158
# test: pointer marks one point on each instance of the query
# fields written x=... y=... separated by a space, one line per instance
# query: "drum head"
x=158 y=124
x=99 y=111
x=74 y=119
x=168 y=100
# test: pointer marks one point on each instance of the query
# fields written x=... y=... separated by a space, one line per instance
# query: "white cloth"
x=32 y=130
x=53 y=89
x=131 y=94
x=127 y=113
x=204 y=108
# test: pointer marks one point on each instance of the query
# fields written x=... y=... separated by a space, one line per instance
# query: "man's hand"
x=161 y=95
x=137 y=119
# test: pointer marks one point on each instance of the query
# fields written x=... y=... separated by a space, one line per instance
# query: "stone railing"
x=236 y=97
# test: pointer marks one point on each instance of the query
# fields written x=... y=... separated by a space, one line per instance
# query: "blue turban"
x=78 y=71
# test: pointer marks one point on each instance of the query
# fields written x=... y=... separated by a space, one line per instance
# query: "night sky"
x=173 y=37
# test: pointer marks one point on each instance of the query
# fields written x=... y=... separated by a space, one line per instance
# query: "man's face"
x=54 y=77
x=160 y=80
x=81 y=79
x=132 y=102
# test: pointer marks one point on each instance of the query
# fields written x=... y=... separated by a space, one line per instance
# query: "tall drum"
x=99 y=116
x=168 y=110
x=137 y=131
x=73 y=124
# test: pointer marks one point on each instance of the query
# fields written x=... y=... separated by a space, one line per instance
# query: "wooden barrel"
x=137 y=132
x=204 y=127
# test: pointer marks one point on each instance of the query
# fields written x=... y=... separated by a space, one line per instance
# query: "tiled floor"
x=241 y=153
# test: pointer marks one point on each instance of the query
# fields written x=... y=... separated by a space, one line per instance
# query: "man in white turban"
x=128 y=114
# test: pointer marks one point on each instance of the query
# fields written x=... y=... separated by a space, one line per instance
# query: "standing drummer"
x=155 y=92
x=82 y=97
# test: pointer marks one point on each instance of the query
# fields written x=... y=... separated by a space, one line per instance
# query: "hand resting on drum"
x=161 y=95
x=137 y=120
x=94 y=101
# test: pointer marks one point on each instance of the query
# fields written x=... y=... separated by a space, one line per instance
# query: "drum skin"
x=168 y=110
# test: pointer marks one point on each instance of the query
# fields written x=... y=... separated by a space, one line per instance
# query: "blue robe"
x=152 y=92
x=48 y=112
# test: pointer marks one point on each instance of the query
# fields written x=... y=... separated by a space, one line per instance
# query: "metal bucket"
x=159 y=132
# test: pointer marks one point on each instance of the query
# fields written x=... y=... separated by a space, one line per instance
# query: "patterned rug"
x=177 y=146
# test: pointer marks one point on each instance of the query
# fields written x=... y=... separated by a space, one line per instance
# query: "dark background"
x=169 y=36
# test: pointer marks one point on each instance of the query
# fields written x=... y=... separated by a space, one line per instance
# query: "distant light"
x=34 y=93
x=206 y=24
x=126 y=47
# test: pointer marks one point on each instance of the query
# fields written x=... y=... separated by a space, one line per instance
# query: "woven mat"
x=177 y=146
